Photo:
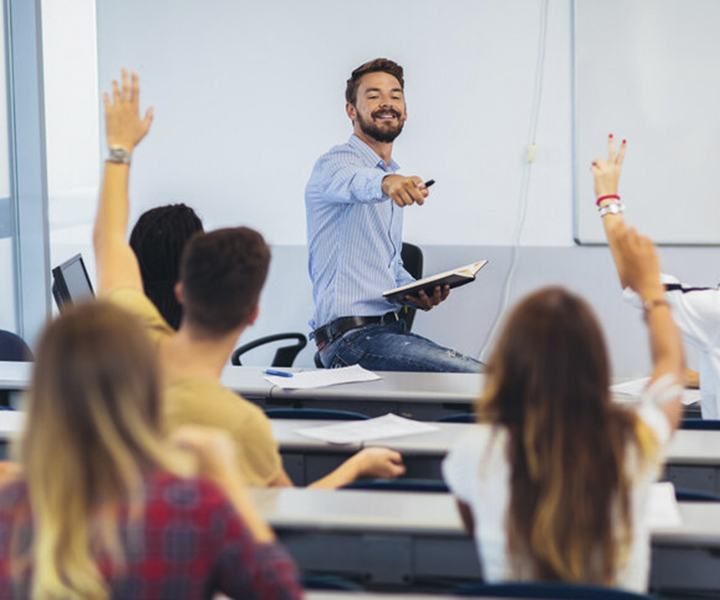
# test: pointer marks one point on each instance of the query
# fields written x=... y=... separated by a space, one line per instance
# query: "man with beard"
x=354 y=201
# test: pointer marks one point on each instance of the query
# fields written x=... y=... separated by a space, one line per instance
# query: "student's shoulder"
x=137 y=303
x=208 y=402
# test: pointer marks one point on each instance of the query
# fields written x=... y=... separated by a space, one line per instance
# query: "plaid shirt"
x=190 y=544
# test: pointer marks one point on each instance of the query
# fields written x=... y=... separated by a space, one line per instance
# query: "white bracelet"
x=612 y=208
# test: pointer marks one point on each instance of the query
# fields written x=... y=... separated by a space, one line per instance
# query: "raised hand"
x=607 y=172
x=123 y=125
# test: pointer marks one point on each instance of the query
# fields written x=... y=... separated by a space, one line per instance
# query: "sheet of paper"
x=322 y=377
x=349 y=432
x=663 y=510
x=634 y=388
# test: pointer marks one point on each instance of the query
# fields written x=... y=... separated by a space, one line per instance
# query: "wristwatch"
x=119 y=155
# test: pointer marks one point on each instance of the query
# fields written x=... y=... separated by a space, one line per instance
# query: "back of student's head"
x=222 y=275
x=550 y=362
x=93 y=422
x=158 y=239
x=548 y=384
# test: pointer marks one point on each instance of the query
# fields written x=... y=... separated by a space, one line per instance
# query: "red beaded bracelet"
x=608 y=197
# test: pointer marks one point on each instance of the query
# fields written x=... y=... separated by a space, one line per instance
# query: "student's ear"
x=179 y=296
x=351 y=112
x=253 y=315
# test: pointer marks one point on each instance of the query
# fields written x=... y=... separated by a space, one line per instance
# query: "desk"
x=422 y=396
x=392 y=539
x=693 y=460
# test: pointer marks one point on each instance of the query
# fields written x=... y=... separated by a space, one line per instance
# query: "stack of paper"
x=349 y=432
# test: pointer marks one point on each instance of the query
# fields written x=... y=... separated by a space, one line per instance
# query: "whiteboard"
x=649 y=71
x=248 y=94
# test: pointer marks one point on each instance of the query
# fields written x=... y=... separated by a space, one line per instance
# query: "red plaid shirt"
x=190 y=544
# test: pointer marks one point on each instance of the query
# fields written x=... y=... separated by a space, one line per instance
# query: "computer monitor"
x=71 y=282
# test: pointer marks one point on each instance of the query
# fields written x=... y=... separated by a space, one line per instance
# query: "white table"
x=408 y=539
x=693 y=460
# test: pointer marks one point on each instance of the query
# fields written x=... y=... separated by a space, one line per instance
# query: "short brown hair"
x=222 y=274
x=378 y=65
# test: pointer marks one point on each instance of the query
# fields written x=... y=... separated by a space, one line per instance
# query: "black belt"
x=327 y=333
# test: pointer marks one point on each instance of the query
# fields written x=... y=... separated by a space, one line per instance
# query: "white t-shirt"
x=696 y=312
x=477 y=471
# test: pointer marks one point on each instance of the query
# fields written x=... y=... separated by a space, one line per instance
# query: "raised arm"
x=641 y=268
x=606 y=174
x=116 y=263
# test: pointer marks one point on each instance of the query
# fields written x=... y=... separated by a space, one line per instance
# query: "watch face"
x=119 y=155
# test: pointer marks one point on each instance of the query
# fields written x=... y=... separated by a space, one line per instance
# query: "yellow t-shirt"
x=205 y=401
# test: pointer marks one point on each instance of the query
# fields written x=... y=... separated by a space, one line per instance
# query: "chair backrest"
x=458 y=418
x=682 y=495
x=314 y=413
x=700 y=424
x=399 y=485
x=284 y=356
x=13 y=347
x=412 y=258
x=558 y=591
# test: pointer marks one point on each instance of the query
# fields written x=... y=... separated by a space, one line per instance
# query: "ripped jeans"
x=390 y=347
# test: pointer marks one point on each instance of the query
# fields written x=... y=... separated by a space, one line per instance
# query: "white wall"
x=247 y=95
x=72 y=124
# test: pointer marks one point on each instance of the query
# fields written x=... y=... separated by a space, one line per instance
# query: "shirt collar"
x=371 y=156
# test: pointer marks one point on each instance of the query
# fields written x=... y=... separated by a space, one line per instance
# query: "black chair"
x=399 y=485
x=412 y=258
x=700 y=424
x=314 y=413
x=12 y=348
x=694 y=496
x=284 y=356
x=458 y=418
x=557 y=591
x=320 y=581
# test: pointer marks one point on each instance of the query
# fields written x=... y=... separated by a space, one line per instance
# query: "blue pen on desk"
x=278 y=373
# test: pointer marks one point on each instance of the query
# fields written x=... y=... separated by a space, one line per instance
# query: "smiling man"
x=354 y=201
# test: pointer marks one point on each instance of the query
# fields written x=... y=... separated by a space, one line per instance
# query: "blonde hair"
x=569 y=517
x=93 y=423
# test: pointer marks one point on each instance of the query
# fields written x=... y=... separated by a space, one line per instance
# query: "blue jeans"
x=391 y=347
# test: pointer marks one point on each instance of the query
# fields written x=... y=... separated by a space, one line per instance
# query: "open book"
x=454 y=278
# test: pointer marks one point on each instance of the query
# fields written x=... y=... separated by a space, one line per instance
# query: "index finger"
x=611 y=148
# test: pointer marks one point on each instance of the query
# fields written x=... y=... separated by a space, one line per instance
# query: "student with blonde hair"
x=554 y=479
x=104 y=507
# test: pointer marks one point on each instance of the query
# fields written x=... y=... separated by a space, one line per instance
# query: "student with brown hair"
x=105 y=507
x=221 y=276
x=554 y=480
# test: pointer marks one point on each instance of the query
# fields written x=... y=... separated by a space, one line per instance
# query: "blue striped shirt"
x=354 y=234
